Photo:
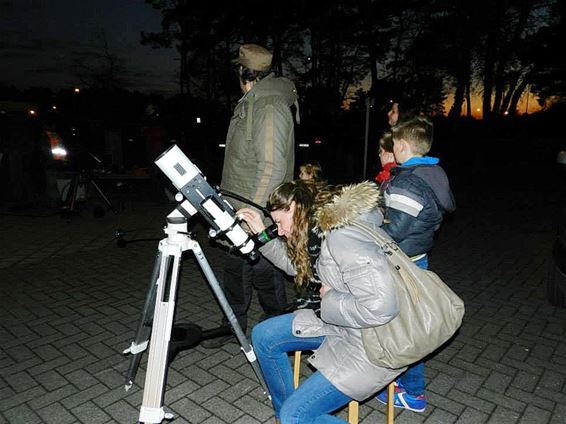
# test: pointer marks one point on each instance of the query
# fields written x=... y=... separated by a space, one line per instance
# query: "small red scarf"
x=385 y=173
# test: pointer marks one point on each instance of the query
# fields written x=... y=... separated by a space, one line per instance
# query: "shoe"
x=217 y=342
x=401 y=399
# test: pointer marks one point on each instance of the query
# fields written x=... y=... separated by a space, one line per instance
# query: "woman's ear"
x=292 y=206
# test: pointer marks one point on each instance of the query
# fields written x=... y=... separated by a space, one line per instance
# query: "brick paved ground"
x=70 y=301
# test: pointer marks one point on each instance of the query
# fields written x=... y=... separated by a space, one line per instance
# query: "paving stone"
x=90 y=411
x=180 y=391
x=535 y=415
x=467 y=366
x=525 y=381
x=51 y=380
x=555 y=396
x=246 y=419
x=502 y=400
x=223 y=409
x=254 y=408
x=504 y=416
x=22 y=414
x=121 y=412
x=469 y=353
x=206 y=392
x=552 y=380
x=439 y=416
x=497 y=382
x=213 y=420
x=22 y=397
x=78 y=364
x=494 y=353
x=497 y=366
x=20 y=381
x=469 y=383
x=190 y=411
x=442 y=384
x=445 y=403
x=559 y=415
x=531 y=399
x=83 y=396
x=472 y=416
x=56 y=414
x=21 y=366
x=471 y=401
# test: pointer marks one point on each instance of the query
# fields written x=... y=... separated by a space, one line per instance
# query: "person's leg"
x=270 y=285
x=313 y=402
x=237 y=287
x=412 y=381
x=271 y=340
x=238 y=291
x=422 y=262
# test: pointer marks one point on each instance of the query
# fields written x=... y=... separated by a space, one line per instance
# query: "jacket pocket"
x=307 y=324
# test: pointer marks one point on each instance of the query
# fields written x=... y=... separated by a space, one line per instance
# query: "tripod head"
x=203 y=198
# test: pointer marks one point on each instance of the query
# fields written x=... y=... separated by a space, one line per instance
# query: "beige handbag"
x=429 y=311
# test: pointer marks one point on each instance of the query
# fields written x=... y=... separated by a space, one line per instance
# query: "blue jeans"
x=316 y=397
x=413 y=379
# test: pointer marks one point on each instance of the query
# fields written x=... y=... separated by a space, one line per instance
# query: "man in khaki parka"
x=260 y=155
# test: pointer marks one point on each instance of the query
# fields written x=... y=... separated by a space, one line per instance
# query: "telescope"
x=156 y=329
x=202 y=198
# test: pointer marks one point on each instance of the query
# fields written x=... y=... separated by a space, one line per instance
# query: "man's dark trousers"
x=240 y=278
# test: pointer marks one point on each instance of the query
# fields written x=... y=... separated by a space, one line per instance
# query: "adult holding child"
x=357 y=292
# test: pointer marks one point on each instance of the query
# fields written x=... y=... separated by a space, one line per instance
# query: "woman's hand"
x=324 y=289
x=252 y=218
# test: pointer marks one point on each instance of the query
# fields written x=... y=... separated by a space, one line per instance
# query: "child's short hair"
x=417 y=132
x=313 y=169
x=386 y=142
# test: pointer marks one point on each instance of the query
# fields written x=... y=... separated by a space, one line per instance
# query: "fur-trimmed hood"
x=351 y=202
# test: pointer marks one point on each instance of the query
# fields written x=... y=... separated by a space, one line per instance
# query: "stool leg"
x=391 y=402
x=353 y=412
x=297 y=368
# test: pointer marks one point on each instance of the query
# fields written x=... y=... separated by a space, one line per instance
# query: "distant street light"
x=77 y=90
x=32 y=112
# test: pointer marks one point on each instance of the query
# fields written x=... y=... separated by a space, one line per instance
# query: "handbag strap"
x=396 y=257
x=386 y=243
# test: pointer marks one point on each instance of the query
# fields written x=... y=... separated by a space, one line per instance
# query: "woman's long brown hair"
x=308 y=196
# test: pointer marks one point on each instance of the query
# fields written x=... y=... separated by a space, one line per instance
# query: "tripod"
x=160 y=303
x=82 y=179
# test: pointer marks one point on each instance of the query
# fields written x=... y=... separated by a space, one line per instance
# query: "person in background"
x=386 y=158
x=260 y=154
x=401 y=110
x=311 y=171
x=357 y=292
x=416 y=198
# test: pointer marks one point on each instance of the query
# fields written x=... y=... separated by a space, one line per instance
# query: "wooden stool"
x=353 y=406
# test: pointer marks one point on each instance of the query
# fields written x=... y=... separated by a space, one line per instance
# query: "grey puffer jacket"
x=260 y=145
x=362 y=293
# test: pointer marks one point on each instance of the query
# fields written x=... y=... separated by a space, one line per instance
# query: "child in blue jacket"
x=416 y=197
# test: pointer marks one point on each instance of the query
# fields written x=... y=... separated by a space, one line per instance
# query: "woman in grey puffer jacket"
x=357 y=292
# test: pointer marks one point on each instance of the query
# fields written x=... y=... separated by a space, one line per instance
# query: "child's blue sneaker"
x=403 y=400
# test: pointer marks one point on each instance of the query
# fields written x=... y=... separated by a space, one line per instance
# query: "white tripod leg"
x=152 y=405
x=227 y=309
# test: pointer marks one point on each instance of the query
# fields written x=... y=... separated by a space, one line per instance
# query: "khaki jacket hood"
x=275 y=86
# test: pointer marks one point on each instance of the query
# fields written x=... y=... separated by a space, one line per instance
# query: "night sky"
x=40 y=38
